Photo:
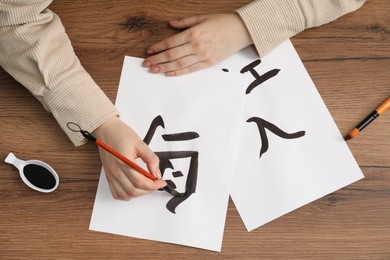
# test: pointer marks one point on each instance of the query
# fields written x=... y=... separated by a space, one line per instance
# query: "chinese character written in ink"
x=261 y=123
x=167 y=156
x=258 y=79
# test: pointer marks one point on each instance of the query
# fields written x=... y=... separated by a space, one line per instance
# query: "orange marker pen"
x=380 y=110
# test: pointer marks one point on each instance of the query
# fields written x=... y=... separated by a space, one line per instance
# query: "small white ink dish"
x=35 y=174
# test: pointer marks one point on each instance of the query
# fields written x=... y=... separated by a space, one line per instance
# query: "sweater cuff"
x=82 y=102
x=270 y=22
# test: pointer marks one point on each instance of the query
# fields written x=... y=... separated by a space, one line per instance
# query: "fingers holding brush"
x=125 y=182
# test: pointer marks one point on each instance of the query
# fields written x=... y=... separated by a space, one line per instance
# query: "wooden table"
x=348 y=60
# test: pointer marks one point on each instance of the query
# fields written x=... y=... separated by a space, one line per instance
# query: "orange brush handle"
x=383 y=107
x=125 y=160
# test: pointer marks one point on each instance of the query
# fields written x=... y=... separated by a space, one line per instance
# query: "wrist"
x=242 y=31
x=107 y=126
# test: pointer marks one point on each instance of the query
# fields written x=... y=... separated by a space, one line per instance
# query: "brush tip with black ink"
x=172 y=191
x=369 y=119
x=352 y=134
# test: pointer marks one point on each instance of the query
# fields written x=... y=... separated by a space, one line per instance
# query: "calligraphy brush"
x=132 y=164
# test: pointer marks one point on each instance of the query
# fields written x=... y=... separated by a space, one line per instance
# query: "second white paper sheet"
x=208 y=103
x=294 y=169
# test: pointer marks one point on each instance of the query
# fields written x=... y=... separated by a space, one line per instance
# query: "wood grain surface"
x=348 y=60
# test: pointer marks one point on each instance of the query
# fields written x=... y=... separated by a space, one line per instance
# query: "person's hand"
x=126 y=183
x=208 y=40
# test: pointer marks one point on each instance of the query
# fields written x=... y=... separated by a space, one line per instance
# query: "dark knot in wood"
x=376 y=28
x=137 y=23
x=332 y=199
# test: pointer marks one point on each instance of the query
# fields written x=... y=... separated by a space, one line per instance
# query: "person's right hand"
x=125 y=183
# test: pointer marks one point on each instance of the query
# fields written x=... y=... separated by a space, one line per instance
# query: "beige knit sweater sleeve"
x=270 y=22
x=36 y=51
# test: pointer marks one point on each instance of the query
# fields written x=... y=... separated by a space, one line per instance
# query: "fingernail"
x=147 y=63
x=158 y=173
x=173 y=21
x=154 y=69
x=170 y=73
x=149 y=51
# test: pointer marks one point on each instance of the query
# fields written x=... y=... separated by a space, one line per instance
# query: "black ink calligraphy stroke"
x=166 y=157
x=157 y=121
x=191 y=178
x=185 y=136
x=263 y=124
x=259 y=79
x=266 y=76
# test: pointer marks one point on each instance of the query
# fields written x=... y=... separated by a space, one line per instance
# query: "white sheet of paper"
x=293 y=172
x=213 y=103
x=208 y=102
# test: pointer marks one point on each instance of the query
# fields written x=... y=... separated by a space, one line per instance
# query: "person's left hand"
x=208 y=40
